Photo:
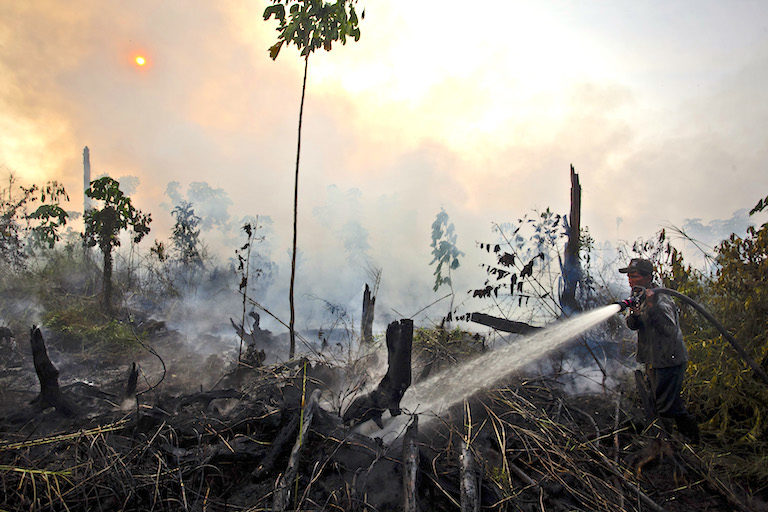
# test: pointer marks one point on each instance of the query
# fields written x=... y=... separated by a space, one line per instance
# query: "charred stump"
x=131 y=381
x=48 y=375
x=366 y=322
x=390 y=390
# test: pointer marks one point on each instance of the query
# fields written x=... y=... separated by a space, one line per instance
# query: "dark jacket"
x=659 y=339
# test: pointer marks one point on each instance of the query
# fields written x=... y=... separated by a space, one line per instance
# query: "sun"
x=139 y=60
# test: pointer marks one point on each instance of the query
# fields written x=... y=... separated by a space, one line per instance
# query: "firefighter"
x=660 y=346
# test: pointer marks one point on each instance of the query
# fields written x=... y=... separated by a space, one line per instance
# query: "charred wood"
x=410 y=466
x=390 y=390
x=282 y=492
x=48 y=375
x=470 y=499
x=502 y=324
x=132 y=381
x=571 y=265
x=277 y=447
x=366 y=322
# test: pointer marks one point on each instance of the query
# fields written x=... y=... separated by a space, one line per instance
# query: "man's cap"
x=639 y=265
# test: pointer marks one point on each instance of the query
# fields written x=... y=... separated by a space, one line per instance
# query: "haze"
x=476 y=108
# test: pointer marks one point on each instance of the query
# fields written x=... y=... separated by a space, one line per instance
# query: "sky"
x=477 y=108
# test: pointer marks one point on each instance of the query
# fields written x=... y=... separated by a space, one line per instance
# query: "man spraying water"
x=659 y=345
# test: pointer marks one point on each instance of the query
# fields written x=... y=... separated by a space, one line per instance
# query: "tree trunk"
x=571 y=266
x=106 y=283
x=366 y=323
x=292 y=321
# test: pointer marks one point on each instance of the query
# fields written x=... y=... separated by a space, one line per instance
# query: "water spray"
x=638 y=296
x=432 y=398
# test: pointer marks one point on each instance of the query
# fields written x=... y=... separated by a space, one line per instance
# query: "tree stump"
x=390 y=390
x=48 y=375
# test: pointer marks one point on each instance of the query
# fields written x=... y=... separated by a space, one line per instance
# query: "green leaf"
x=274 y=50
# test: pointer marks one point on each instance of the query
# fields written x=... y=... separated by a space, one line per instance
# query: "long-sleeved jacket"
x=659 y=339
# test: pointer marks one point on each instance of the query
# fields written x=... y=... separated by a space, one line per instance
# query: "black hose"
x=706 y=314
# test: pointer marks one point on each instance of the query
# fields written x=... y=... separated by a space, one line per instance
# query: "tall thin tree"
x=309 y=24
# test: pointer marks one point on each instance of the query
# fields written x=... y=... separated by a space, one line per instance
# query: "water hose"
x=706 y=314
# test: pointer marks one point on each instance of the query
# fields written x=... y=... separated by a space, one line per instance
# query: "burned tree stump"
x=390 y=390
x=398 y=377
x=132 y=381
x=48 y=375
x=366 y=322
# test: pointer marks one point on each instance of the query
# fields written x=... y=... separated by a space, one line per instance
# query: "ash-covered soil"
x=211 y=436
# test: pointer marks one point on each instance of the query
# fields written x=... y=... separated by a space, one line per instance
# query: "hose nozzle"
x=634 y=300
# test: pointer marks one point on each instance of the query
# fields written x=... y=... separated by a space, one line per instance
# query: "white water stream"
x=435 y=395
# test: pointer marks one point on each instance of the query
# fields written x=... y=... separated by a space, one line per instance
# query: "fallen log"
x=410 y=466
x=502 y=324
x=48 y=375
x=282 y=492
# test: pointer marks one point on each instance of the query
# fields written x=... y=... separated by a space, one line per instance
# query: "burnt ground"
x=207 y=438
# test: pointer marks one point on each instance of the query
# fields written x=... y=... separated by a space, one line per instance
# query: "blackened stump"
x=48 y=375
x=390 y=390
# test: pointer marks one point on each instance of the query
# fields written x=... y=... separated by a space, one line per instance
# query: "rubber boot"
x=688 y=427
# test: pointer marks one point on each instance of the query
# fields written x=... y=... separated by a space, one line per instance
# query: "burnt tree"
x=571 y=267
x=366 y=322
x=390 y=390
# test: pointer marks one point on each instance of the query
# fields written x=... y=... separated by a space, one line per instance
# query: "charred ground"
x=197 y=443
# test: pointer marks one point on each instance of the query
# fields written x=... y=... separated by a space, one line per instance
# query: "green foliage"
x=20 y=229
x=80 y=325
x=444 y=250
x=185 y=237
x=312 y=24
x=102 y=226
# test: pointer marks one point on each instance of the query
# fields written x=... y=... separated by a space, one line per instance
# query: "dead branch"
x=410 y=465
x=470 y=498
